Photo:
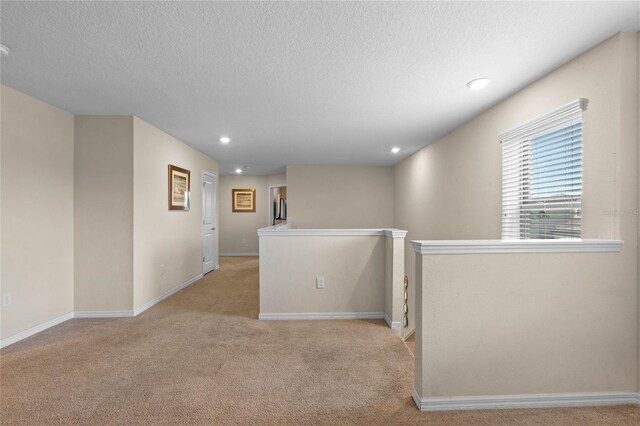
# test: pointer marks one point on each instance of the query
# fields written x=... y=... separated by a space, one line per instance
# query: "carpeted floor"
x=201 y=357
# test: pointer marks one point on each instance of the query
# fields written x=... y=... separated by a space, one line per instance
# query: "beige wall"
x=167 y=244
x=127 y=252
x=276 y=180
x=353 y=267
x=238 y=231
x=638 y=159
x=363 y=274
x=340 y=197
x=500 y=324
x=130 y=247
x=451 y=189
x=103 y=213
x=37 y=211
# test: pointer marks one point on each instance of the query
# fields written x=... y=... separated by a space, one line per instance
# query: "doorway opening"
x=277 y=205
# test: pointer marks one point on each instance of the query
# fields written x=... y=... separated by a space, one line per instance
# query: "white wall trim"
x=516 y=246
x=356 y=232
x=238 y=255
x=320 y=315
x=264 y=232
x=524 y=401
x=409 y=334
x=546 y=120
x=280 y=226
x=395 y=233
x=137 y=311
x=394 y=325
x=35 y=330
x=103 y=314
x=94 y=314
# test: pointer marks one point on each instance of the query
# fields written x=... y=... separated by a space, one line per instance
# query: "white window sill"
x=515 y=246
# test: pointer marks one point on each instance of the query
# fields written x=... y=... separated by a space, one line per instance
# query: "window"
x=542 y=176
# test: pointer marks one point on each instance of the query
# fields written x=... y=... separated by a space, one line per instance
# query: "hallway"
x=201 y=357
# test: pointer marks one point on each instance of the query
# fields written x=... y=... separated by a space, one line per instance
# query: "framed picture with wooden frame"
x=179 y=188
x=243 y=200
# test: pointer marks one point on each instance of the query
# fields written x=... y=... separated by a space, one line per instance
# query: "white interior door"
x=208 y=222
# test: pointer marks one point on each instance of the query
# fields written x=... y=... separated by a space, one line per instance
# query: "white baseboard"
x=137 y=311
x=103 y=314
x=409 y=334
x=93 y=314
x=239 y=254
x=321 y=316
x=525 y=401
x=34 y=330
x=394 y=325
x=213 y=270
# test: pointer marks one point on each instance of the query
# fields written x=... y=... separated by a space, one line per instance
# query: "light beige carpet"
x=202 y=357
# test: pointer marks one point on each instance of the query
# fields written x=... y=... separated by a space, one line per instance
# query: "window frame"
x=517 y=154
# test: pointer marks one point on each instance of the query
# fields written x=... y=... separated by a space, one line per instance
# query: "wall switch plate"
x=162 y=269
x=6 y=299
x=319 y=282
x=244 y=241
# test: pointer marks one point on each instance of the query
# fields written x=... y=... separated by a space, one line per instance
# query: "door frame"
x=216 y=257
x=270 y=210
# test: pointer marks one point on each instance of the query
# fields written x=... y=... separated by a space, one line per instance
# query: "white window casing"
x=542 y=176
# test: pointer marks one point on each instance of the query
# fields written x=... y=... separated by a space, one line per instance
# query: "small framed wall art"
x=179 y=188
x=243 y=200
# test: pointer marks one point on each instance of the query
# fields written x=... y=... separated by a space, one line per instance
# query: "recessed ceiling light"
x=478 y=83
x=4 y=50
x=225 y=139
x=238 y=170
x=395 y=150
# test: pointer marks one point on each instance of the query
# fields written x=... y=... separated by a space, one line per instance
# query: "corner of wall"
x=103 y=207
x=37 y=185
x=238 y=231
x=638 y=188
x=172 y=257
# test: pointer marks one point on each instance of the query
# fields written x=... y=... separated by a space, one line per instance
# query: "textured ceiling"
x=295 y=83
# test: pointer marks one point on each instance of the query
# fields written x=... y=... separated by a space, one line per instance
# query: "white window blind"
x=542 y=176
